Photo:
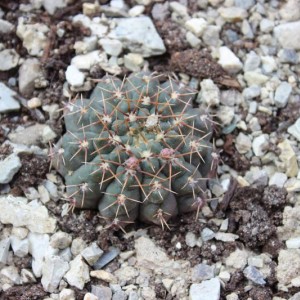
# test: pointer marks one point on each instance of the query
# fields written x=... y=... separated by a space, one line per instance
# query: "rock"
x=294 y=130
x=252 y=92
x=86 y=61
x=136 y=10
x=288 y=35
x=106 y=258
x=67 y=294
x=202 y=272
x=252 y=62
x=207 y=234
x=190 y=239
x=101 y=292
x=193 y=40
x=133 y=61
x=209 y=289
x=9 y=59
x=126 y=275
x=97 y=28
x=293 y=243
x=226 y=237
x=196 y=25
x=289 y=56
x=103 y=275
x=254 y=275
x=160 y=11
x=266 y=25
x=51 y=6
x=19 y=247
x=9 y=167
x=5 y=27
x=111 y=47
x=78 y=274
x=259 y=144
x=288 y=157
x=268 y=64
x=88 y=44
x=34 y=216
x=34 y=36
x=288 y=266
x=179 y=8
x=211 y=36
x=138 y=35
x=233 y=14
x=60 y=240
x=19 y=232
x=7 y=101
x=27 y=276
x=246 y=4
x=237 y=259
x=29 y=71
x=255 y=78
x=229 y=61
x=225 y=114
x=54 y=268
x=4 y=247
x=290 y=10
x=257 y=176
x=210 y=93
x=38 y=247
x=243 y=143
x=10 y=274
x=282 y=94
x=247 y=30
x=34 y=103
x=74 y=76
x=89 y=296
x=278 y=179
x=92 y=253
x=78 y=245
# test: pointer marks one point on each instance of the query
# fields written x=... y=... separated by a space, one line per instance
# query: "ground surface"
x=244 y=57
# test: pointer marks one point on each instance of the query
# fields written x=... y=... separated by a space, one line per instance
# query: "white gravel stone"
x=288 y=35
x=255 y=78
x=294 y=130
x=229 y=61
x=226 y=237
x=259 y=144
x=133 y=61
x=54 y=268
x=233 y=14
x=19 y=232
x=268 y=64
x=266 y=25
x=33 y=215
x=237 y=259
x=10 y=274
x=86 y=45
x=27 y=276
x=74 y=76
x=202 y=272
x=278 y=179
x=243 y=143
x=293 y=243
x=5 y=26
x=211 y=36
x=251 y=92
x=210 y=93
x=78 y=245
x=51 y=6
x=29 y=71
x=289 y=56
x=207 y=234
x=86 y=61
x=136 y=10
x=90 y=296
x=208 y=289
x=190 y=239
x=225 y=114
x=289 y=158
x=9 y=167
x=67 y=294
x=34 y=102
x=254 y=275
x=19 y=247
x=252 y=62
x=7 y=101
x=196 y=25
x=104 y=275
x=282 y=94
x=193 y=40
x=60 y=240
x=179 y=8
x=138 y=35
x=246 y=4
x=34 y=36
x=9 y=59
x=111 y=47
x=4 y=247
x=92 y=253
x=290 y=10
x=78 y=275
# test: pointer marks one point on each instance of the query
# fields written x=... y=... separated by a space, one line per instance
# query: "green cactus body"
x=136 y=149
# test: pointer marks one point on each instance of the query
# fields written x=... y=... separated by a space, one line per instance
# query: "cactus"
x=136 y=149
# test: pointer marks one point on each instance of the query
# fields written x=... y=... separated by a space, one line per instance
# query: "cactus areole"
x=136 y=149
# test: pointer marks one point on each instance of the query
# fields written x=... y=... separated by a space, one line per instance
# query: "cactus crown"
x=136 y=148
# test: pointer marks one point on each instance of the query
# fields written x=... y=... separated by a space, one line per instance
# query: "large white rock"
x=208 y=289
x=74 y=76
x=229 y=61
x=54 y=268
x=78 y=275
x=288 y=35
x=34 y=216
x=9 y=59
x=138 y=35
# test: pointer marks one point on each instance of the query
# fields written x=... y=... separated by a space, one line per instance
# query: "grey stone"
x=138 y=35
x=233 y=14
x=54 y=268
x=254 y=275
x=251 y=92
x=211 y=35
x=106 y=258
x=9 y=59
x=209 y=289
x=111 y=47
x=102 y=292
x=4 y=247
x=202 y=272
x=196 y=25
x=268 y=64
x=8 y=102
x=51 y=6
x=278 y=179
x=190 y=239
x=19 y=247
x=289 y=56
x=5 y=26
x=60 y=240
x=133 y=61
x=207 y=234
x=288 y=35
x=282 y=94
x=252 y=61
x=290 y=10
x=10 y=274
x=28 y=73
x=160 y=11
x=229 y=61
x=266 y=25
x=77 y=246
x=9 y=167
x=193 y=40
x=67 y=294
x=294 y=130
x=92 y=253
x=246 y=4
x=210 y=93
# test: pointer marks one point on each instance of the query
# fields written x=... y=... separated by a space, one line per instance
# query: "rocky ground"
x=243 y=56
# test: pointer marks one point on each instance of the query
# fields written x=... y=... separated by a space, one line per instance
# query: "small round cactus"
x=136 y=149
